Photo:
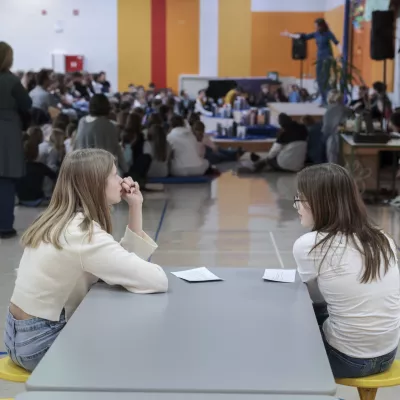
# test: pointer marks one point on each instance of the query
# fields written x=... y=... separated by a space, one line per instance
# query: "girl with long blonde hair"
x=69 y=247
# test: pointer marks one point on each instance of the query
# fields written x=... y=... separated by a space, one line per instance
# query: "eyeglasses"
x=296 y=202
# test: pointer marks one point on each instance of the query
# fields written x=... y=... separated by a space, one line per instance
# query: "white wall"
x=331 y=4
x=32 y=35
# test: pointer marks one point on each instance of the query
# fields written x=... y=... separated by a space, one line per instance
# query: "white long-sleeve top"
x=49 y=280
x=364 y=318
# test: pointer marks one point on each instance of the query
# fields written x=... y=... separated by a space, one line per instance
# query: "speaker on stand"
x=382 y=41
x=299 y=52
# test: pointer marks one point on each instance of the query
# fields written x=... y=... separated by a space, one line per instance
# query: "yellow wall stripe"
x=183 y=39
x=234 y=42
x=134 y=43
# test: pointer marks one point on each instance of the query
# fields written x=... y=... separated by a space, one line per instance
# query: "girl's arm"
x=308 y=264
x=306 y=36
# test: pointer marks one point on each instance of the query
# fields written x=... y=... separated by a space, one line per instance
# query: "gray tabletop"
x=160 y=396
x=242 y=335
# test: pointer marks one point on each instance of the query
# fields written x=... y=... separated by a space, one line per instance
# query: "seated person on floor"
x=158 y=148
x=265 y=96
x=133 y=143
x=201 y=105
x=209 y=150
x=185 y=158
x=294 y=95
x=70 y=247
x=280 y=96
x=70 y=134
x=362 y=102
x=40 y=95
x=97 y=131
x=233 y=94
x=30 y=187
x=381 y=106
x=350 y=268
x=288 y=153
x=316 y=147
x=304 y=96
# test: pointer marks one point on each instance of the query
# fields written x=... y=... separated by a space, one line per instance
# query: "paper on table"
x=197 y=275
x=280 y=275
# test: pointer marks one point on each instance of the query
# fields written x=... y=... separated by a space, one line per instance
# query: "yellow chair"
x=368 y=386
x=11 y=372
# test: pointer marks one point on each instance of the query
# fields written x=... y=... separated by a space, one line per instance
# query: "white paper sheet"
x=280 y=275
x=197 y=275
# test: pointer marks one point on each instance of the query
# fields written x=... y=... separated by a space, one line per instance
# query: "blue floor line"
x=2 y=353
x=160 y=223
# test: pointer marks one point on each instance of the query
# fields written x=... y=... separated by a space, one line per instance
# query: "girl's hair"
x=322 y=25
x=132 y=129
x=80 y=187
x=177 y=121
x=31 y=140
x=99 y=106
x=35 y=134
x=122 y=117
x=285 y=121
x=154 y=119
x=6 y=57
x=70 y=129
x=158 y=138
x=198 y=129
x=337 y=208
x=61 y=122
x=57 y=139
x=193 y=117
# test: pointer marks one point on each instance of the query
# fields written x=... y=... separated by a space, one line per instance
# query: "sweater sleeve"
x=123 y=263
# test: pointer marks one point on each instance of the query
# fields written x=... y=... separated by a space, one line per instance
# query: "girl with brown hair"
x=70 y=246
x=350 y=268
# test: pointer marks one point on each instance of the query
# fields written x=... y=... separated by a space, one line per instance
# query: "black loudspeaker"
x=299 y=49
x=382 y=35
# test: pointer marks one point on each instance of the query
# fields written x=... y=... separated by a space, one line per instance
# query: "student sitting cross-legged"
x=69 y=247
x=350 y=268
x=186 y=160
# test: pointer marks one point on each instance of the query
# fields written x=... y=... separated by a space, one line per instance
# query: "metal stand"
x=385 y=123
x=301 y=73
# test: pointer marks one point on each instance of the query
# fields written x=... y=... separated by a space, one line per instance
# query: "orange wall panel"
x=183 y=35
x=272 y=52
x=134 y=54
x=234 y=41
x=335 y=20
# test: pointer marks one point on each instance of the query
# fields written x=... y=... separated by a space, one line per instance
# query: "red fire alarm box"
x=73 y=63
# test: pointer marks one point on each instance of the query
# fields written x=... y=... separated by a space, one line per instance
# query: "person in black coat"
x=15 y=104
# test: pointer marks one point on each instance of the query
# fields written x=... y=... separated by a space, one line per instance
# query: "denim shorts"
x=344 y=366
x=27 y=341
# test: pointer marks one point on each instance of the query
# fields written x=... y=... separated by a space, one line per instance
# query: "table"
x=362 y=160
x=255 y=146
x=295 y=110
x=242 y=335
x=158 y=396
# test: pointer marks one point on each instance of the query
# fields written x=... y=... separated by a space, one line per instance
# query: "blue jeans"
x=27 y=341
x=7 y=201
x=321 y=73
x=220 y=156
x=344 y=366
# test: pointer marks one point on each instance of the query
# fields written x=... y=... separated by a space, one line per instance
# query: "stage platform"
x=295 y=110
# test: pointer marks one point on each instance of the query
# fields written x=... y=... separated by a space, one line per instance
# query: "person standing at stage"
x=323 y=37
